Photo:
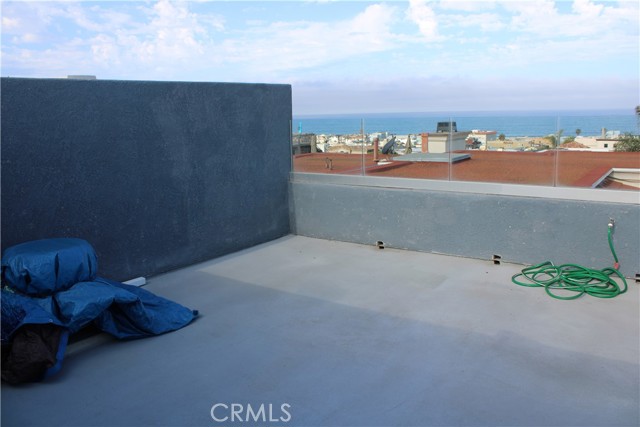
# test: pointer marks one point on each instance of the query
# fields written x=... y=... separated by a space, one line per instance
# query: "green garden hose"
x=574 y=279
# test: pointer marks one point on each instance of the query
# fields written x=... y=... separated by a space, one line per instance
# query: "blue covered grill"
x=50 y=289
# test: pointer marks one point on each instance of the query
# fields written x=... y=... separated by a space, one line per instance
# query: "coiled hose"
x=574 y=278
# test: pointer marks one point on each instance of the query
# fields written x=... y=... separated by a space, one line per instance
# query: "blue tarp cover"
x=54 y=282
x=44 y=267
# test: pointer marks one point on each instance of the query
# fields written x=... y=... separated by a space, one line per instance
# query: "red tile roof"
x=576 y=169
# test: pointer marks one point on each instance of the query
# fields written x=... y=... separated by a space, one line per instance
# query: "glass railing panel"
x=405 y=149
x=594 y=151
x=510 y=148
x=328 y=144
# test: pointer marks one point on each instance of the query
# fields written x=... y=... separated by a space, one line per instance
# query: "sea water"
x=512 y=124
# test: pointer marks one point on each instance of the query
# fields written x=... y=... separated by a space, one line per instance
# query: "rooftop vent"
x=81 y=77
x=447 y=127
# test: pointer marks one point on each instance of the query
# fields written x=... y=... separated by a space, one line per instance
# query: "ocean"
x=512 y=124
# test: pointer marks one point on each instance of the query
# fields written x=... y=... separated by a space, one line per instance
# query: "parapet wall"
x=155 y=175
x=543 y=223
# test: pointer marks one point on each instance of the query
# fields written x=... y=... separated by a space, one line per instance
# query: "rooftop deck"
x=353 y=335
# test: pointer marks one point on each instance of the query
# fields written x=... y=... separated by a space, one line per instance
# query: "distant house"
x=441 y=142
x=484 y=136
x=340 y=148
x=598 y=144
x=304 y=143
x=446 y=138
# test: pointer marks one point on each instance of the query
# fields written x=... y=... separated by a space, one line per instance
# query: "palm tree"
x=559 y=138
x=638 y=116
x=553 y=140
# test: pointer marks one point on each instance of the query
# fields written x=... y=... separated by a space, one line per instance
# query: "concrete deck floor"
x=350 y=335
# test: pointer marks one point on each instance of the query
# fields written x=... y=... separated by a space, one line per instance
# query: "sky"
x=347 y=57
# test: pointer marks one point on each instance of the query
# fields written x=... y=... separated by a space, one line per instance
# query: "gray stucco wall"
x=155 y=175
x=521 y=229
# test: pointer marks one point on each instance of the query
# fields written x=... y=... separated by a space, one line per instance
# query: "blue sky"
x=347 y=57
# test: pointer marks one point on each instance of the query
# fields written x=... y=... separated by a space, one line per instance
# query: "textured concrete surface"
x=521 y=229
x=351 y=335
x=155 y=175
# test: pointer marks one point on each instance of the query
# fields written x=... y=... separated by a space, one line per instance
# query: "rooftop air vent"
x=81 y=77
x=447 y=127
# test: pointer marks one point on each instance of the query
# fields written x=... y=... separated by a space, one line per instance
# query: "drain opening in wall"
x=497 y=259
x=380 y=244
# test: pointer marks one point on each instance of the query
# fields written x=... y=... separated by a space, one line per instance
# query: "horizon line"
x=461 y=113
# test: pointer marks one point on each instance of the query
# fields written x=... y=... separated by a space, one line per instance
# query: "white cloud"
x=466 y=6
x=586 y=8
x=167 y=39
x=423 y=15
x=462 y=94
x=386 y=44
x=17 y=23
x=281 y=47
x=586 y=18
x=174 y=33
x=534 y=16
x=29 y=38
x=9 y=23
x=76 y=13
x=105 y=49
x=485 y=22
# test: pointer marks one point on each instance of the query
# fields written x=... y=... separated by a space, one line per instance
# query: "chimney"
x=376 y=144
x=425 y=142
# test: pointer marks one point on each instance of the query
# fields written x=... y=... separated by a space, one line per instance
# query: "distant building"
x=443 y=142
x=472 y=143
x=340 y=148
x=304 y=143
x=597 y=144
x=484 y=136
x=380 y=135
x=446 y=127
